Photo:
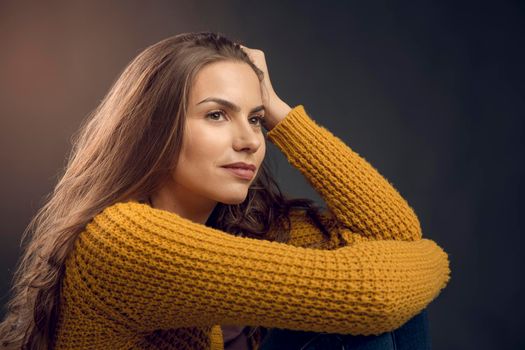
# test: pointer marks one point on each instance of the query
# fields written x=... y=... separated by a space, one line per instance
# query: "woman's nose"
x=247 y=137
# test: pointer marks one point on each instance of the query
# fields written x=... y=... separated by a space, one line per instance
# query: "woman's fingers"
x=276 y=109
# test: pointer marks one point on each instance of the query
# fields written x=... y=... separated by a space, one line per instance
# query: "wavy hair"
x=124 y=150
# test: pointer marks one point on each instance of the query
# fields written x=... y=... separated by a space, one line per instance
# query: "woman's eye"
x=214 y=114
x=259 y=119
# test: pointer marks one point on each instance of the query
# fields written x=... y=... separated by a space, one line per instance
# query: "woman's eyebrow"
x=230 y=105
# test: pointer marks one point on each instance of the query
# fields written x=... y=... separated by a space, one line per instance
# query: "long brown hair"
x=124 y=150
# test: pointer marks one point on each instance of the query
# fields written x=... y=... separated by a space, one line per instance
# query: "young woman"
x=167 y=230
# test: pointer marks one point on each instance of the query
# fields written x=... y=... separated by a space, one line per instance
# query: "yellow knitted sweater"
x=146 y=278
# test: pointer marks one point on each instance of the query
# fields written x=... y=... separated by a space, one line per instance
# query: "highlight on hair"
x=125 y=149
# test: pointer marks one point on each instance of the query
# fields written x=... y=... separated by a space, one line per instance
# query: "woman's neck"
x=187 y=206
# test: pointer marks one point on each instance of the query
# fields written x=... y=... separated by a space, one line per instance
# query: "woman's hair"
x=123 y=151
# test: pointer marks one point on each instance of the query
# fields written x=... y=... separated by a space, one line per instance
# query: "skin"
x=217 y=135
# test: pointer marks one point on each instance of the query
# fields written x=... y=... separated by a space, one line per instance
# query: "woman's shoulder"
x=125 y=221
x=136 y=212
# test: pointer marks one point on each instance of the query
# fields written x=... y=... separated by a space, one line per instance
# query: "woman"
x=168 y=231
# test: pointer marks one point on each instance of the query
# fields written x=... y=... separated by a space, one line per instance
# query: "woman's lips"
x=246 y=174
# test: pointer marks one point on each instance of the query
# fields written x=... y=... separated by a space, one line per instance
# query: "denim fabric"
x=413 y=335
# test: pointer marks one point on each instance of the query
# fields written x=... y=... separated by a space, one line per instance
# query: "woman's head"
x=223 y=125
x=150 y=132
x=150 y=119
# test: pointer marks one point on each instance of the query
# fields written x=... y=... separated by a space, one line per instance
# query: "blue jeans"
x=413 y=335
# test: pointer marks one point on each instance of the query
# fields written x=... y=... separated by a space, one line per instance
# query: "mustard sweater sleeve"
x=152 y=269
x=358 y=195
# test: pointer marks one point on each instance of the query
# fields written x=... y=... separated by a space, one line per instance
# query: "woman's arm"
x=154 y=269
x=362 y=199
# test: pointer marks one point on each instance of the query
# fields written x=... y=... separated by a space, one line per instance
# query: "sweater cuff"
x=297 y=132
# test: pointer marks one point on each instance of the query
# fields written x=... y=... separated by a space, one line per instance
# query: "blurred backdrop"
x=430 y=92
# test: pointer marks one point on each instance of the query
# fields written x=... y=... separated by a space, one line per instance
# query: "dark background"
x=431 y=93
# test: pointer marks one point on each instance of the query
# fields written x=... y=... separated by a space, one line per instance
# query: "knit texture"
x=145 y=278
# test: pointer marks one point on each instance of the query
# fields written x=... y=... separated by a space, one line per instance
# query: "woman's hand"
x=276 y=109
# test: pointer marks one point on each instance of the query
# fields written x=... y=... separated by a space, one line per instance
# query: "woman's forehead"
x=230 y=81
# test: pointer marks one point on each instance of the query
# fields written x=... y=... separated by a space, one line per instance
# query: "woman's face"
x=218 y=133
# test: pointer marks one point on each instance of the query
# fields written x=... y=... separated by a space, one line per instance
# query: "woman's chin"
x=233 y=200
